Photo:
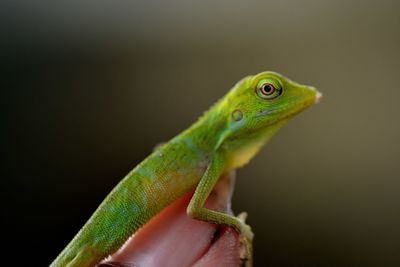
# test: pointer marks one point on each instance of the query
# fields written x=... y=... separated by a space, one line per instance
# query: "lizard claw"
x=245 y=230
x=242 y=216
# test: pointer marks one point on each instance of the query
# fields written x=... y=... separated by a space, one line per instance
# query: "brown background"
x=89 y=88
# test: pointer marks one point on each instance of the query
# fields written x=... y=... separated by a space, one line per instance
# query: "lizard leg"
x=196 y=210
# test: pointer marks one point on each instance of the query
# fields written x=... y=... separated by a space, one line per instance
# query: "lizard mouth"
x=297 y=104
x=294 y=105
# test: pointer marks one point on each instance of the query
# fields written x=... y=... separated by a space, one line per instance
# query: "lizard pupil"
x=267 y=89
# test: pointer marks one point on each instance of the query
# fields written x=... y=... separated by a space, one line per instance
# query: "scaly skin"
x=226 y=137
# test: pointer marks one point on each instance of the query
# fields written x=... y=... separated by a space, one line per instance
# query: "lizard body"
x=226 y=137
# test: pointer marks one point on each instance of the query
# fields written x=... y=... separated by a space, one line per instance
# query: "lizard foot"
x=246 y=241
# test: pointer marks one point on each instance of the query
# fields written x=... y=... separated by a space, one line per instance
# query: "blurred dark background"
x=89 y=88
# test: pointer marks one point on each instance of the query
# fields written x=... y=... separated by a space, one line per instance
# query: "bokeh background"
x=90 y=87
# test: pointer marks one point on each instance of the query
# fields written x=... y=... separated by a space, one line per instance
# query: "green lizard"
x=226 y=137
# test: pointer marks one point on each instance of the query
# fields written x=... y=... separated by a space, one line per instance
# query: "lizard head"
x=267 y=98
x=257 y=106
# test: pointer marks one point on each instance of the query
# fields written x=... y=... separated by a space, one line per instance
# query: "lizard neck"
x=205 y=133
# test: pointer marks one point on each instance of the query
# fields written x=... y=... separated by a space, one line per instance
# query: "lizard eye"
x=268 y=90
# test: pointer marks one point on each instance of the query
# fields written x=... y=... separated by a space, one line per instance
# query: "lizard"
x=224 y=138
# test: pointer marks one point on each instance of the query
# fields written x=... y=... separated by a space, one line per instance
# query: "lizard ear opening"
x=237 y=115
